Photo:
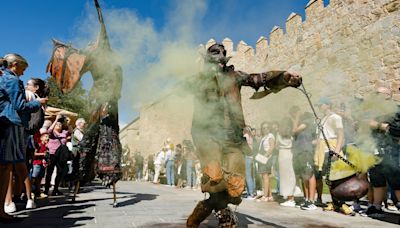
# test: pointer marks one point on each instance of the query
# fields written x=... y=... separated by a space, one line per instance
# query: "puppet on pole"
x=100 y=148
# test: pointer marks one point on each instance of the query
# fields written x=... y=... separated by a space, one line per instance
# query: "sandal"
x=262 y=199
x=266 y=199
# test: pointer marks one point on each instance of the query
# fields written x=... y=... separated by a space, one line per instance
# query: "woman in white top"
x=266 y=147
x=284 y=141
x=158 y=163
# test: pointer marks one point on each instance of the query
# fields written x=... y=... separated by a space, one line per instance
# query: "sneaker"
x=30 y=204
x=319 y=203
x=302 y=204
x=346 y=210
x=288 y=203
x=10 y=208
x=356 y=207
x=250 y=197
x=373 y=212
x=308 y=206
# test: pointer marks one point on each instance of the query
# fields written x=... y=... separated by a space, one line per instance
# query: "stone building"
x=345 y=48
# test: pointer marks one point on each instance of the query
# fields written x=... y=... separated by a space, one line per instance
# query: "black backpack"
x=63 y=154
x=36 y=121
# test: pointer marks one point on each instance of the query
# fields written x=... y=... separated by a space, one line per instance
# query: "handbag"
x=261 y=158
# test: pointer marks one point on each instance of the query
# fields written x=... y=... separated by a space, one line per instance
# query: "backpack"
x=36 y=121
x=63 y=154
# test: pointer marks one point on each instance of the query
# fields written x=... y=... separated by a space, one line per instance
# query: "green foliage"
x=76 y=101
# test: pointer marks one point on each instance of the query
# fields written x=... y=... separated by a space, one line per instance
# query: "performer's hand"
x=292 y=78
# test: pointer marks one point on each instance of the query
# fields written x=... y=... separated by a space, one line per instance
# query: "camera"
x=62 y=119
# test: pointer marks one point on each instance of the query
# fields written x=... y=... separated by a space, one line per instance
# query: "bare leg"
x=5 y=170
x=306 y=189
x=311 y=188
x=8 y=198
x=77 y=186
x=115 y=204
x=379 y=196
x=21 y=172
x=370 y=194
x=267 y=188
x=319 y=189
x=28 y=187
x=397 y=193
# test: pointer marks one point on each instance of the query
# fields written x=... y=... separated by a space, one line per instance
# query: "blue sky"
x=29 y=26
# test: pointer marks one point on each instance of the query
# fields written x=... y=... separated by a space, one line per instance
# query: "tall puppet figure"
x=101 y=140
x=217 y=127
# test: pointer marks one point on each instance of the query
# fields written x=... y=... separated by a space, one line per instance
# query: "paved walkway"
x=143 y=204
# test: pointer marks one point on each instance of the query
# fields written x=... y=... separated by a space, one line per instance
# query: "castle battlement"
x=323 y=26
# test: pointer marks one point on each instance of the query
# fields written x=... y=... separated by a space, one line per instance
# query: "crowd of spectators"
x=297 y=155
x=31 y=148
x=174 y=165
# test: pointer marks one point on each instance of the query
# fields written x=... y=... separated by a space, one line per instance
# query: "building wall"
x=130 y=135
x=343 y=49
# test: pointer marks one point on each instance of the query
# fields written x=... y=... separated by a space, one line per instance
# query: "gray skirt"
x=12 y=143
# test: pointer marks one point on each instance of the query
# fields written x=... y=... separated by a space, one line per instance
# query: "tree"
x=76 y=101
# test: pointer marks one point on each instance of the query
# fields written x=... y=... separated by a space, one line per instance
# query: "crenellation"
x=276 y=35
x=336 y=3
x=313 y=9
x=210 y=42
x=228 y=43
x=242 y=47
x=261 y=47
x=293 y=24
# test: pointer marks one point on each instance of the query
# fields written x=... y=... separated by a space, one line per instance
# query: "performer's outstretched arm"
x=272 y=81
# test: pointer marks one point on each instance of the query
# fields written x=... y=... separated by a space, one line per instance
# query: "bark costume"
x=101 y=139
x=217 y=130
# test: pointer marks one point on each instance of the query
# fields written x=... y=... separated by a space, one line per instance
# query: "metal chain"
x=321 y=129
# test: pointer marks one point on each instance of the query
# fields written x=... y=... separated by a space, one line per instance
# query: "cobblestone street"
x=142 y=204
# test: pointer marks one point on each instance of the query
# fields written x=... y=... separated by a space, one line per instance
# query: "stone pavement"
x=143 y=204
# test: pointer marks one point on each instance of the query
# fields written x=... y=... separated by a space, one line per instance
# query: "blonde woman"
x=266 y=147
x=14 y=113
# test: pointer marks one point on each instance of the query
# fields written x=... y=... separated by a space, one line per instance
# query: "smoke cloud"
x=152 y=61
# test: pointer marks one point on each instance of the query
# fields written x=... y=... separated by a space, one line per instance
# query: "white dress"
x=286 y=172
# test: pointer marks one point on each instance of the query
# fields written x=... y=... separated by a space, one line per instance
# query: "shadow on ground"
x=244 y=221
x=53 y=216
x=62 y=212
x=391 y=218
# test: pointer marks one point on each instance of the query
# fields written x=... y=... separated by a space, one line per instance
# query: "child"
x=39 y=163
